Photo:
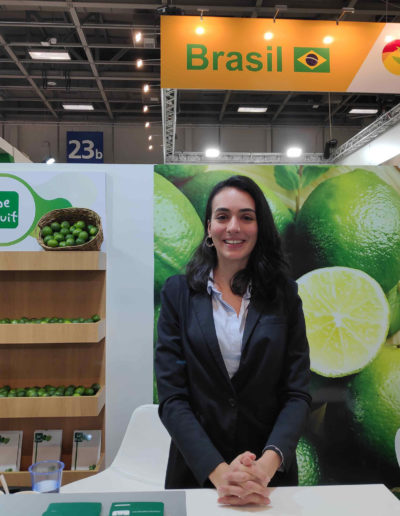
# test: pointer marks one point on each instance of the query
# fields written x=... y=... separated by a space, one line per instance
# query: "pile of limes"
x=50 y=320
x=64 y=234
x=48 y=390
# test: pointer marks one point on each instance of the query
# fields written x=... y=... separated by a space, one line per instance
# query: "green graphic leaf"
x=311 y=173
x=287 y=177
x=397 y=59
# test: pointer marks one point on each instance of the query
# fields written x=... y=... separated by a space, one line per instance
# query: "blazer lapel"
x=203 y=309
x=252 y=318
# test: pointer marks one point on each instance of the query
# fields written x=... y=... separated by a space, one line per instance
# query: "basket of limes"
x=70 y=229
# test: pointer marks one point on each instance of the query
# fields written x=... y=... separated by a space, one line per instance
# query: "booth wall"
x=129 y=248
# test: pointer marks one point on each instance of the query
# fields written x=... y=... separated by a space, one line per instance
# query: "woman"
x=232 y=358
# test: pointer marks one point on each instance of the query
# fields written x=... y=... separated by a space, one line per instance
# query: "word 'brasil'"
x=198 y=58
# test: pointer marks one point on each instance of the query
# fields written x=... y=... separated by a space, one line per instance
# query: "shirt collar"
x=212 y=288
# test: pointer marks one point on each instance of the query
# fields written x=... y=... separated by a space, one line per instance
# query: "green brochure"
x=137 y=509
x=73 y=509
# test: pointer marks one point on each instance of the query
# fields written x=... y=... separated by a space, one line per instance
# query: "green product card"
x=137 y=509
x=73 y=509
x=9 y=202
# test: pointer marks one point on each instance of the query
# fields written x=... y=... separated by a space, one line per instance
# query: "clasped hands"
x=245 y=479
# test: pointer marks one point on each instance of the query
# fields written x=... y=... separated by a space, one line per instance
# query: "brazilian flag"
x=311 y=59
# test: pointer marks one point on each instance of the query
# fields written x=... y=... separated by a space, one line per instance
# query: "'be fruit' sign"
x=9 y=209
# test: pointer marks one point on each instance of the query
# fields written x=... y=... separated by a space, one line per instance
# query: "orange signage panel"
x=288 y=55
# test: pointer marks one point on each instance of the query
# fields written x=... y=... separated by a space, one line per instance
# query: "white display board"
x=27 y=195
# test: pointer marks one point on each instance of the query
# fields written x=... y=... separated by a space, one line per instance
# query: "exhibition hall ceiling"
x=99 y=38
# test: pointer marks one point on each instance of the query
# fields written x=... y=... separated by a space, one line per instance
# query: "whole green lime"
x=177 y=231
x=374 y=402
x=199 y=187
x=308 y=463
x=352 y=220
x=179 y=174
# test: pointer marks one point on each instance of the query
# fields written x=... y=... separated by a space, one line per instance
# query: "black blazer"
x=212 y=418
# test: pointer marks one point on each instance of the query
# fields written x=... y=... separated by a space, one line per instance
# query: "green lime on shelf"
x=347 y=319
x=66 y=235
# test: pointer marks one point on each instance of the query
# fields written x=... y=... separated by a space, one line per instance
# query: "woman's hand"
x=241 y=482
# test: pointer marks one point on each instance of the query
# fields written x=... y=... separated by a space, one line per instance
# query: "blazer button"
x=232 y=402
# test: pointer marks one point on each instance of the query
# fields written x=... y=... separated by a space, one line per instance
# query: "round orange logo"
x=391 y=57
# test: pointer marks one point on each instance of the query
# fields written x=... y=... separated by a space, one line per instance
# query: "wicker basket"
x=72 y=215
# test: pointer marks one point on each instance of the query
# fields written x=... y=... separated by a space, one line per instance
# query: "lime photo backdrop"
x=340 y=226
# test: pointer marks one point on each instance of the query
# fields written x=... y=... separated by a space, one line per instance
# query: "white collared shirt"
x=229 y=326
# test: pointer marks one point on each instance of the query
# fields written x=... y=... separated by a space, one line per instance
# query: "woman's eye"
x=220 y=217
x=248 y=217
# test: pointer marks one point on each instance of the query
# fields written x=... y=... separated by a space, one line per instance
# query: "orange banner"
x=288 y=55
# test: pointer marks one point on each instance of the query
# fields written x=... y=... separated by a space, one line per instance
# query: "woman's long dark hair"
x=266 y=269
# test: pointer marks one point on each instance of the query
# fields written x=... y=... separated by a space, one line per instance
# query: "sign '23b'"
x=85 y=147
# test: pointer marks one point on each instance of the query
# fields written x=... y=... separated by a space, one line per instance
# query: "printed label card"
x=46 y=445
x=86 y=449
x=10 y=450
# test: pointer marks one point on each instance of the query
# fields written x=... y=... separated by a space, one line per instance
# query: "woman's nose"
x=234 y=224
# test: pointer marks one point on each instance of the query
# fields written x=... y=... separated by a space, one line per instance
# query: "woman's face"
x=233 y=226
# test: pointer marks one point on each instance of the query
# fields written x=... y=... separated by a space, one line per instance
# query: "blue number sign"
x=85 y=147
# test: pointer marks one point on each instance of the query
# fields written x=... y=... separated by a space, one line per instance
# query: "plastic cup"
x=46 y=476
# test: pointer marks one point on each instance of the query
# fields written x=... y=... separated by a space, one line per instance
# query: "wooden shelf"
x=52 y=333
x=63 y=406
x=52 y=260
x=23 y=479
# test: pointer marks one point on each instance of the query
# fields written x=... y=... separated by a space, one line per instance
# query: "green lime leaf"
x=397 y=59
x=287 y=177
x=311 y=173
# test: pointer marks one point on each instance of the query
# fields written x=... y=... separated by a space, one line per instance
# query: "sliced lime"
x=347 y=319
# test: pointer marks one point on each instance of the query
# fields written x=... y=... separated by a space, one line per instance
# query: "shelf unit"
x=63 y=284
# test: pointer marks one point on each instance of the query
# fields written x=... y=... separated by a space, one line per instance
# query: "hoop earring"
x=209 y=242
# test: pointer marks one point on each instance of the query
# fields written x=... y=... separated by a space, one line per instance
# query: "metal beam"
x=168 y=108
x=245 y=157
x=224 y=105
x=85 y=26
x=282 y=106
x=26 y=75
x=368 y=134
x=132 y=6
x=27 y=44
x=89 y=56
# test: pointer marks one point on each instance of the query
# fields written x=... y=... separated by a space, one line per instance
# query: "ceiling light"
x=139 y=63
x=388 y=39
x=150 y=137
x=199 y=30
x=138 y=37
x=146 y=88
x=147 y=125
x=150 y=147
x=328 y=40
x=145 y=109
x=268 y=35
x=78 y=107
x=62 y=55
x=252 y=109
x=315 y=106
x=361 y=111
x=51 y=83
x=212 y=152
x=294 y=152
